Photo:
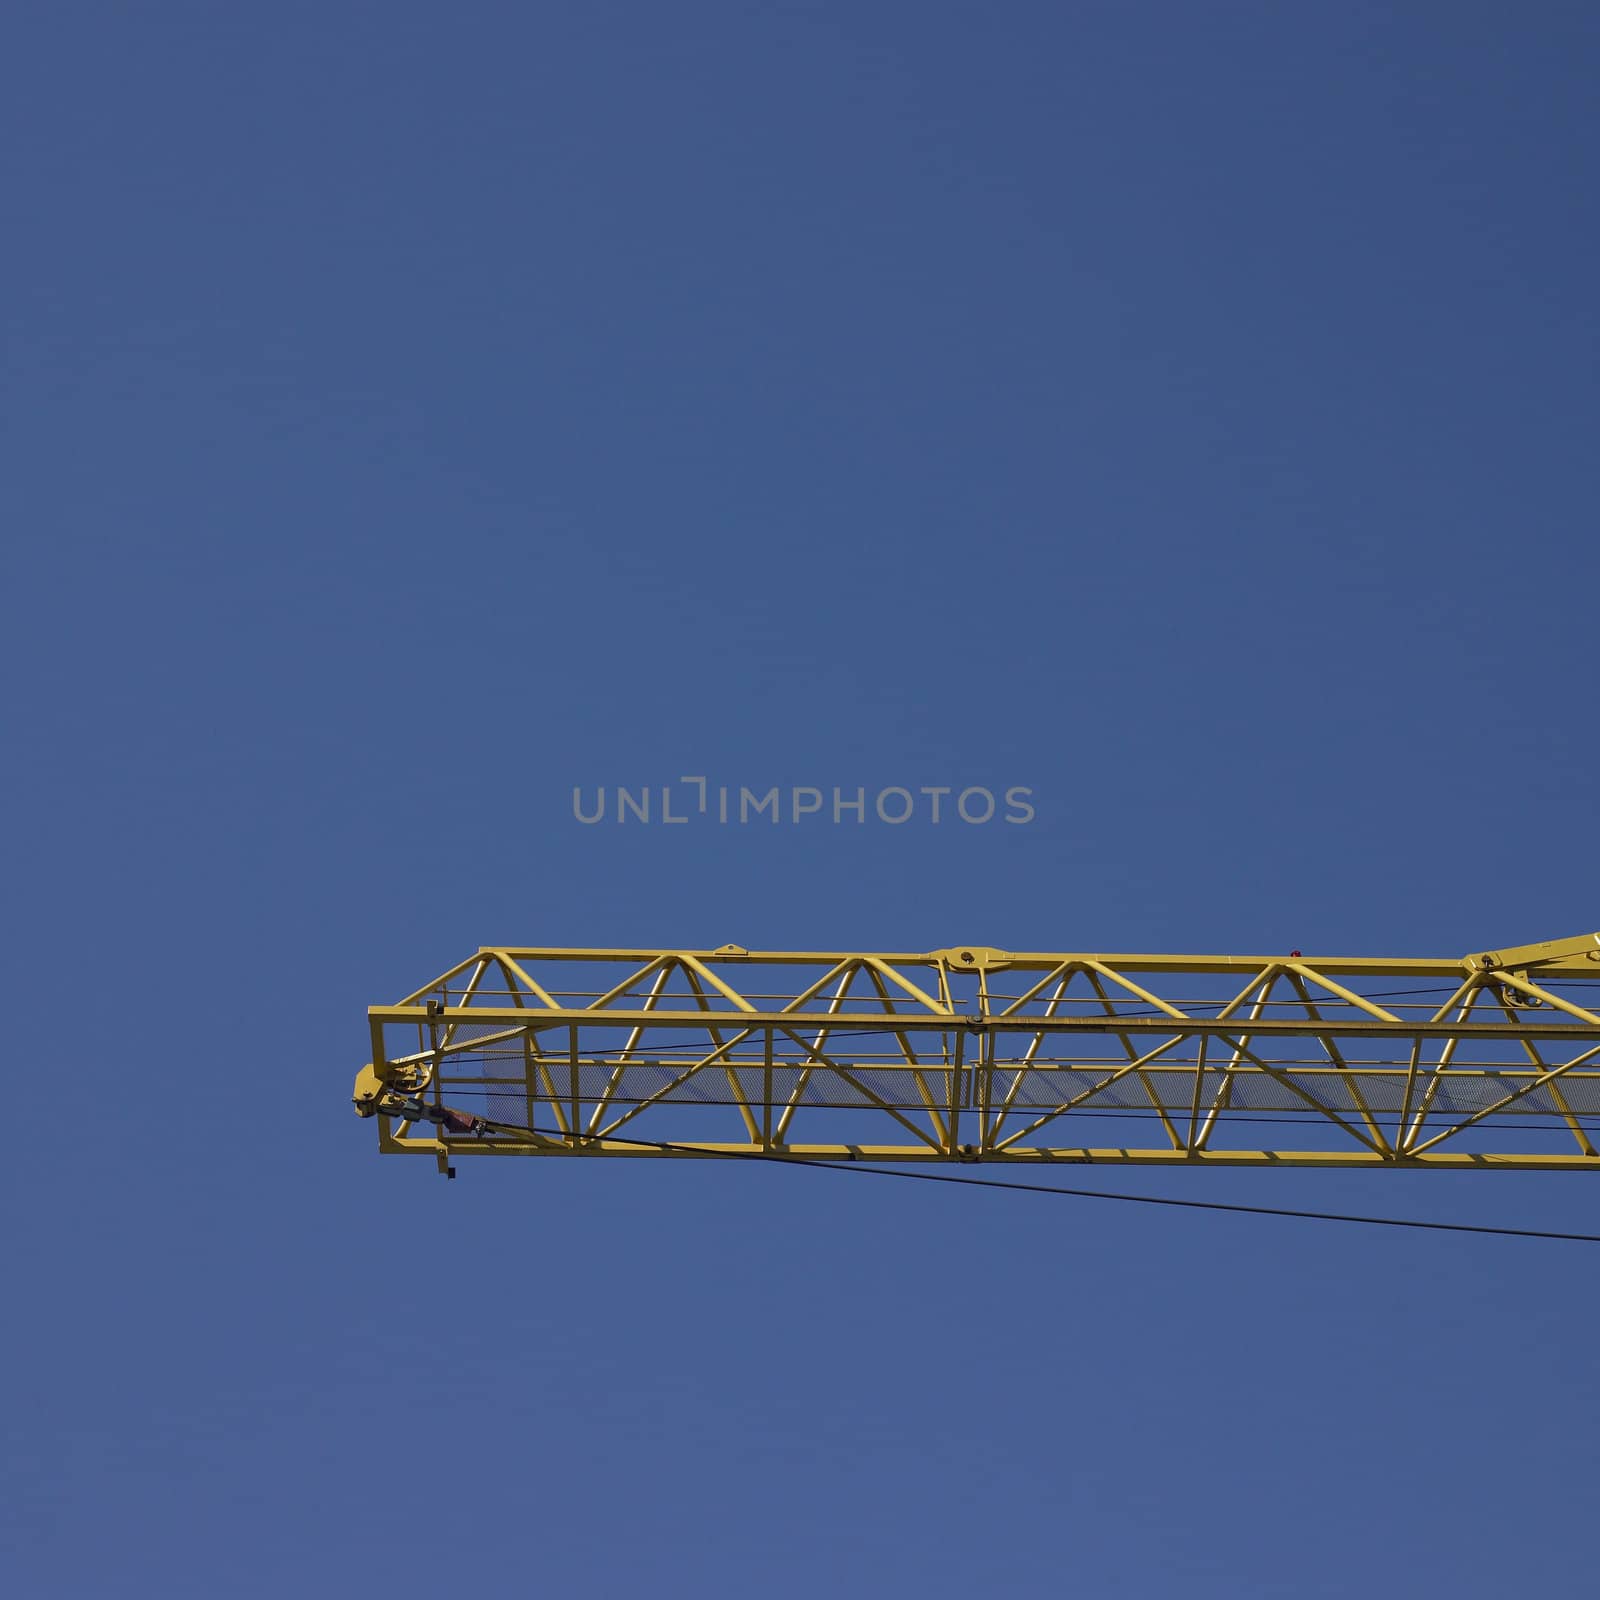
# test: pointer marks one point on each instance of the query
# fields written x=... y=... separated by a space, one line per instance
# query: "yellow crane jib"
x=974 y=1053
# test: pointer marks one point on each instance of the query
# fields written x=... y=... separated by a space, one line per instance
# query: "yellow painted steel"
x=976 y=1054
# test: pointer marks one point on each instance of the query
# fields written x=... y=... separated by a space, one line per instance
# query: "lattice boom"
x=979 y=1054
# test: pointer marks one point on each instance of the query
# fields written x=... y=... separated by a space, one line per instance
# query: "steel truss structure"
x=978 y=1054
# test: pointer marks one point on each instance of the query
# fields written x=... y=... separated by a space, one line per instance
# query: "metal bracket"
x=972 y=958
x=1551 y=952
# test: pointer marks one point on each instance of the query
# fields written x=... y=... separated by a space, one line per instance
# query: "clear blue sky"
x=413 y=411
